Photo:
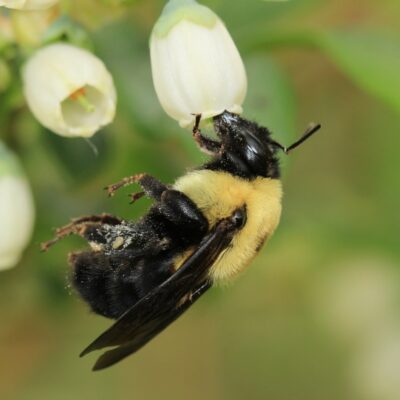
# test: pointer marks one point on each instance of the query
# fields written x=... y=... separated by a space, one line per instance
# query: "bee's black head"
x=247 y=145
x=248 y=149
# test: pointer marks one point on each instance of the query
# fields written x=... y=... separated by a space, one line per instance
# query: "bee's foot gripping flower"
x=69 y=90
x=196 y=66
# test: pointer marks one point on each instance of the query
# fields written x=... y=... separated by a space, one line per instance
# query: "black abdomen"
x=112 y=284
x=130 y=259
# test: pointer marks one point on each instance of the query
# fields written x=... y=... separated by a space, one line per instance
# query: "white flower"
x=195 y=64
x=28 y=4
x=69 y=90
x=16 y=210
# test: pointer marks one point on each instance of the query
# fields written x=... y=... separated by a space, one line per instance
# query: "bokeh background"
x=317 y=316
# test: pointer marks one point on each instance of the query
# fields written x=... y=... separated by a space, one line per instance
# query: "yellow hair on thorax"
x=218 y=194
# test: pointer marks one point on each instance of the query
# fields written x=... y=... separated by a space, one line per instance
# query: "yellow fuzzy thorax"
x=218 y=194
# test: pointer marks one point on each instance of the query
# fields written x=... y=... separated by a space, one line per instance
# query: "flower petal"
x=196 y=68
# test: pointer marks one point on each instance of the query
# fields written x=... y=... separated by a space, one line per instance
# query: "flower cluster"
x=196 y=69
x=69 y=91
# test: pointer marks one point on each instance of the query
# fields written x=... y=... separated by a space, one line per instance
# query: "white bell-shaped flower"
x=69 y=90
x=16 y=210
x=28 y=4
x=196 y=66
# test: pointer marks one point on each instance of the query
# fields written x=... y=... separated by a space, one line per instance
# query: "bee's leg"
x=196 y=293
x=136 y=196
x=203 y=287
x=182 y=212
x=207 y=145
x=152 y=187
x=112 y=282
x=80 y=226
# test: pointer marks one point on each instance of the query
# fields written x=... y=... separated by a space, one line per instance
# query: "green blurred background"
x=316 y=317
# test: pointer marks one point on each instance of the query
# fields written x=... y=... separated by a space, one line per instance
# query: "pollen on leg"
x=96 y=246
x=118 y=242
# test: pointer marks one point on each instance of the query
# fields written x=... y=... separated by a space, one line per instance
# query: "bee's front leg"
x=205 y=144
x=152 y=186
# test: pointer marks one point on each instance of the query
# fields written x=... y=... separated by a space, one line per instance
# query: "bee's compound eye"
x=239 y=217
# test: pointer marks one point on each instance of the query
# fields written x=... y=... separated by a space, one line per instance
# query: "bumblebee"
x=203 y=230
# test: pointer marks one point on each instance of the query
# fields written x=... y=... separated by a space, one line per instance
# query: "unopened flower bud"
x=196 y=66
x=28 y=4
x=16 y=210
x=29 y=26
x=69 y=90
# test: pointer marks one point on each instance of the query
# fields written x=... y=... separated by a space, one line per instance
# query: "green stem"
x=85 y=103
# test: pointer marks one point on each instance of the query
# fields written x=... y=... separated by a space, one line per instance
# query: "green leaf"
x=371 y=59
x=246 y=18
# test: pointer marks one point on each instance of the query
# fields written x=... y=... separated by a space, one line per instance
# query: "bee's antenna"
x=308 y=133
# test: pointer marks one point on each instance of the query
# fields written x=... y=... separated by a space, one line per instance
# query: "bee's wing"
x=161 y=306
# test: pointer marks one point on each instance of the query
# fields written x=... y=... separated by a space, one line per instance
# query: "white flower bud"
x=16 y=210
x=29 y=26
x=195 y=64
x=28 y=4
x=69 y=90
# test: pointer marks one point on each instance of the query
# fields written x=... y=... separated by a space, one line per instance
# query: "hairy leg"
x=79 y=226
x=152 y=187
x=206 y=144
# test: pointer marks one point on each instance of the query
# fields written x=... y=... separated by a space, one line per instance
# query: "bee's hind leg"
x=190 y=223
x=81 y=226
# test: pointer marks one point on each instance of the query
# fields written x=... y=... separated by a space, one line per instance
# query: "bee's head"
x=247 y=145
x=250 y=146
